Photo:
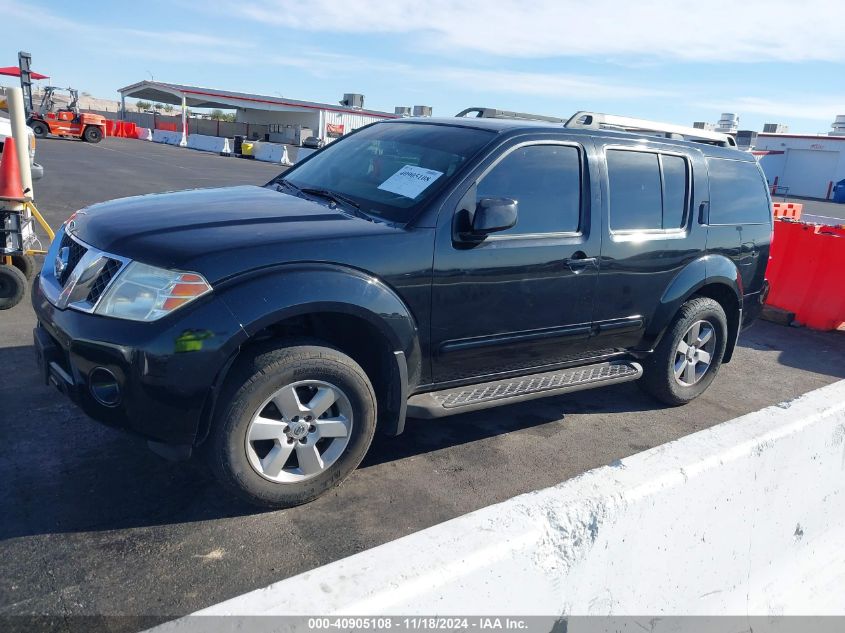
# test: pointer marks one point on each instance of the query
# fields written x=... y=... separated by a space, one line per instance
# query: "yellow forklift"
x=19 y=242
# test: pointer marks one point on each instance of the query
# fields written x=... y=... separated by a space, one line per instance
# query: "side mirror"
x=493 y=215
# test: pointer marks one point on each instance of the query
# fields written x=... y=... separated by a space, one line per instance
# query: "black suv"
x=416 y=267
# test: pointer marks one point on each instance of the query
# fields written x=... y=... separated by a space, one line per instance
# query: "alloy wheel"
x=694 y=353
x=299 y=431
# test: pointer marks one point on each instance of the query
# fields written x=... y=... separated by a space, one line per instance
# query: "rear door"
x=522 y=298
x=651 y=233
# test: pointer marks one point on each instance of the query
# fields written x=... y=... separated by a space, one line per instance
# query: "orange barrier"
x=167 y=127
x=121 y=129
x=807 y=273
x=788 y=210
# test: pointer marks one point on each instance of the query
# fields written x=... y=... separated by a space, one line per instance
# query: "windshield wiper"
x=284 y=182
x=338 y=199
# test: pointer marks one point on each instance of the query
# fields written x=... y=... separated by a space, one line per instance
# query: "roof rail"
x=493 y=113
x=596 y=120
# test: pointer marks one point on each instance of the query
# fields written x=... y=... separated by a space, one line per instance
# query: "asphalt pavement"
x=93 y=524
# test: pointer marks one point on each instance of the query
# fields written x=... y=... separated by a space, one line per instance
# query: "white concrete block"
x=165 y=136
x=205 y=143
x=744 y=518
x=271 y=153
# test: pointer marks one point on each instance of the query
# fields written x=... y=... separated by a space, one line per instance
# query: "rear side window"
x=648 y=190
x=737 y=193
x=675 y=179
x=545 y=180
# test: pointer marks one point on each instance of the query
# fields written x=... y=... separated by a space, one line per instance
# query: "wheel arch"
x=347 y=309
x=713 y=276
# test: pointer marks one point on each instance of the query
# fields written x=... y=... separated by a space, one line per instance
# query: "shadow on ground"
x=62 y=472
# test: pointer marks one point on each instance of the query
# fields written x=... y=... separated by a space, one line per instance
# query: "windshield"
x=390 y=169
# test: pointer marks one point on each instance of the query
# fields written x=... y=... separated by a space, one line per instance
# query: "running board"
x=438 y=404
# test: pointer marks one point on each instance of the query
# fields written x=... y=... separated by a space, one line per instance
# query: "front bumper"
x=165 y=370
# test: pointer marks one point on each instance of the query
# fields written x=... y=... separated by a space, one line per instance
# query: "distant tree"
x=168 y=108
x=158 y=106
x=143 y=105
x=217 y=115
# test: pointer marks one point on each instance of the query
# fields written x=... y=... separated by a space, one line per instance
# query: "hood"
x=217 y=232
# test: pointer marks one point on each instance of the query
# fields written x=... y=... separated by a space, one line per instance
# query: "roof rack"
x=596 y=120
x=493 y=113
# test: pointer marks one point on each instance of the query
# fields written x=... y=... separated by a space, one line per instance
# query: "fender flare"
x=704 y=271
x=268 y=296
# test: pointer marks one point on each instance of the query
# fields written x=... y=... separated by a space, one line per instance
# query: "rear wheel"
x=689 y=355
x=12 y=286
x=92 y=134
x=39 y=129
x=292 y=423
x=25 y=263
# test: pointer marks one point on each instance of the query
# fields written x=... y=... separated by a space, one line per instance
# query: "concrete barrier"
x=209 y=143
x=745 y=518
x=271 y=153
x=299 y=153
x=168 y=137
x=144 y=133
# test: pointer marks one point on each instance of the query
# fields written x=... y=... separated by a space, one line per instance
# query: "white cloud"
x=809 y=107
x=470 y=80
x=716 y=30
x=159 y=45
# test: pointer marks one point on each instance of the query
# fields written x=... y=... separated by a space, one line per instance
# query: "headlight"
x=147 y=293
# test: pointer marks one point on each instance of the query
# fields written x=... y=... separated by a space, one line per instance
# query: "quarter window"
x=737 y=193
x=545 y=180
x=648 y=190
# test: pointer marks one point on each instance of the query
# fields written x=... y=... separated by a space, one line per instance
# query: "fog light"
x=104 y=387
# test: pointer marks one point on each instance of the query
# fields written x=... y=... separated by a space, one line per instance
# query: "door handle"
x=579 y=261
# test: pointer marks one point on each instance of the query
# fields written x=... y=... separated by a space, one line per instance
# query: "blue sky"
x=679 y=61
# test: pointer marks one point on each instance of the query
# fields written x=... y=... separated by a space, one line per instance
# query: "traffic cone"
x=10 y=172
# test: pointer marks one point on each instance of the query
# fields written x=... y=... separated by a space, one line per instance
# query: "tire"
x=659 y=370
x=92 y=134
x=237 y=450
x=26 y=264
x=12 y=286
x=39 y=129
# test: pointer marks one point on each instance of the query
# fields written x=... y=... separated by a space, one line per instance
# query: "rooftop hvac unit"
x=402 y=110
x=422 y=110
x=746 y=139
x=352 y=100
x=775 y=128
x=703 y=125
x=728 y=123
x=838 y=126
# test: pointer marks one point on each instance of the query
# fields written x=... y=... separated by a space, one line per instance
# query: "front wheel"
x=26 y=264
x=39 y=129
x=12 y=286
x=689 y=355
x=92 y=134
x=292 y=423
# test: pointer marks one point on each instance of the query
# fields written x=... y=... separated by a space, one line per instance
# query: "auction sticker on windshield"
x=410 y=181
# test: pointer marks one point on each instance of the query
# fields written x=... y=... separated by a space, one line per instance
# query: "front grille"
x=76 y=252
x=106 y=274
